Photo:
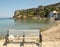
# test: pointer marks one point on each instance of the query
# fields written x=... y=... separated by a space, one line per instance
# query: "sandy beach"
x=51 y=37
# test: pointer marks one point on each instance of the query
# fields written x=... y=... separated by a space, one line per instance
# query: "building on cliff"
x=54 y=15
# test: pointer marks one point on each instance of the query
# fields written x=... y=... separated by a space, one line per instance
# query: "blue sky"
x=7 y=7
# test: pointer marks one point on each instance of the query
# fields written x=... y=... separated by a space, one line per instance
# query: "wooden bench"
x=22 y=36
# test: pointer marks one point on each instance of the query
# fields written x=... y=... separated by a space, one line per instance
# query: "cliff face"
x=41 y=11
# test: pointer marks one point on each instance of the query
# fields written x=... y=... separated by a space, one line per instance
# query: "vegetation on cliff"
x=39 y=12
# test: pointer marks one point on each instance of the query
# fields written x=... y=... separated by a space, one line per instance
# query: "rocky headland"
x=36 y=13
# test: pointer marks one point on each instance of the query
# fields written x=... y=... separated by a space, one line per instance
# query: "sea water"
x=6 y=24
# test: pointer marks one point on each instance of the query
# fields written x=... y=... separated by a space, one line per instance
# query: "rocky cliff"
x=40 y=11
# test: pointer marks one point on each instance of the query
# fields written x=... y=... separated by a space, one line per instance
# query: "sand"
x=17 y=44
x=51 y=37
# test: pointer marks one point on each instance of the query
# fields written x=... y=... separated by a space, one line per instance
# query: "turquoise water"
x=6 y=24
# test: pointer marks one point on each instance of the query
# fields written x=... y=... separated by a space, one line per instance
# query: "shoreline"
x=48 y=36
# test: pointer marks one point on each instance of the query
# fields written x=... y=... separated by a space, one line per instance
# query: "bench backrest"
x=29 y=33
